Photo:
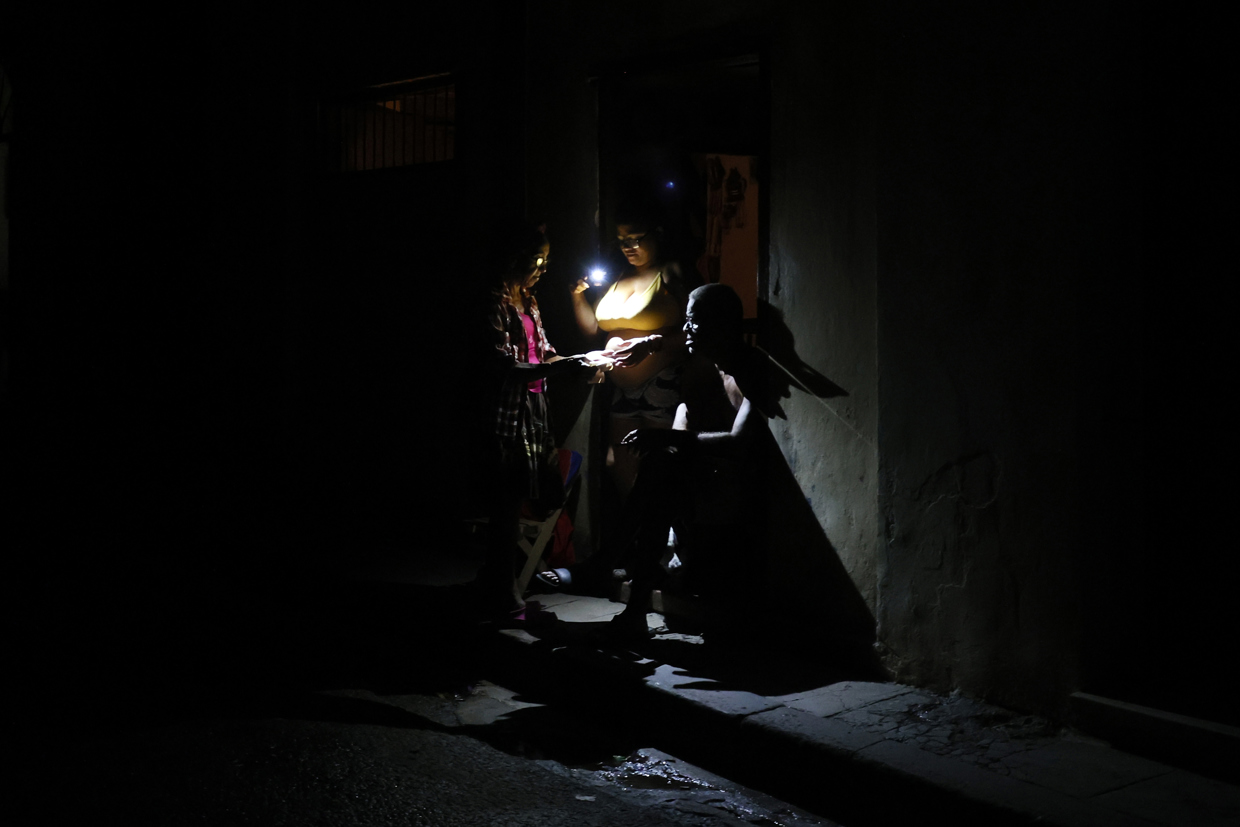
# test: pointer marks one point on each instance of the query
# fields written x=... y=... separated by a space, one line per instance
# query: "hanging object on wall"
x=734 y=200
x=730 y=249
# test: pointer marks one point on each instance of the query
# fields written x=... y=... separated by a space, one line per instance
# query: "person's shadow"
x=788 y=370
x=808 y=589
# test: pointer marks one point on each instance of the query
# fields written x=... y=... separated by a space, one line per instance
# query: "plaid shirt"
x=520 y=421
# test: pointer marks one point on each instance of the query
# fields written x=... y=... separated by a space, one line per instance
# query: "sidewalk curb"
x=824 y=764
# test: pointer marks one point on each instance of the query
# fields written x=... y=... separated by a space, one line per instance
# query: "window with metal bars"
x=396 y=124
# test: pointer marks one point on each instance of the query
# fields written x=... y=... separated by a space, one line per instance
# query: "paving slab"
x=572 y=608
x=887 y=715
x=1178 y=798
x=1080 y=769
x=838 y=697
x=806 y=729
x=945 y=780
x=489 y=703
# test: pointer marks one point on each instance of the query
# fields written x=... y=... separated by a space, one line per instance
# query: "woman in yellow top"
x=643 y=314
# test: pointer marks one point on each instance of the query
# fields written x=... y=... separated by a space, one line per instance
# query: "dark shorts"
x=655 y=400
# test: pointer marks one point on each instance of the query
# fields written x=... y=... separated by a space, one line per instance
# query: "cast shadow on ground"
x=574 y=734
x=812 y=601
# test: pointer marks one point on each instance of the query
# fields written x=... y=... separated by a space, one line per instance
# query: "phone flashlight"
x=598 y=276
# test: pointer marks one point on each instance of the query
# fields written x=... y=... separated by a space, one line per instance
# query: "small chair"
x=536 y=534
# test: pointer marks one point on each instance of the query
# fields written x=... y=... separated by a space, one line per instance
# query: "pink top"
x=531 y=353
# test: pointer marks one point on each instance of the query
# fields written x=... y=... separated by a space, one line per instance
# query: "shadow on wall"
x=790 y=369
x=807 y=583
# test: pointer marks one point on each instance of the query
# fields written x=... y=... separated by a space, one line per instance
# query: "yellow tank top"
x=652 y=309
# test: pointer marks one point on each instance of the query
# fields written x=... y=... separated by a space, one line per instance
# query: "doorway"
x=692 y=136
x=688 y=136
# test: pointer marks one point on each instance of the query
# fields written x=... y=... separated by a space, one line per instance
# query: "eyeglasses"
x=539 y=262
x=631 y=242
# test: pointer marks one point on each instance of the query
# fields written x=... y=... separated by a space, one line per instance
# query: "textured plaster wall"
x=987 y=135
x=821 y=286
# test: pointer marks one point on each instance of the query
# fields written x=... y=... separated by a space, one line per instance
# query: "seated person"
x=708 y=458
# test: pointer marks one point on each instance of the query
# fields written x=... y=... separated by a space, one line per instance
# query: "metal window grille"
x=397 y=125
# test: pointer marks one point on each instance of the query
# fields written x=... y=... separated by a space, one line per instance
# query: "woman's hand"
x=599 y=359
x=645 y=440
x=589 y=365
x=570 y=364
x=582 y=310
x=632 y=352
x=601 y=363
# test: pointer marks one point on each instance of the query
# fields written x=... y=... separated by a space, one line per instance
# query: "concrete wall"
x=989 y=132
x=822 y=287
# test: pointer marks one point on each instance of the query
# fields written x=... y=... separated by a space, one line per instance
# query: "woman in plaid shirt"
x=524 y=460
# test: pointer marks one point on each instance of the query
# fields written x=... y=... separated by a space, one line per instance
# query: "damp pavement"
x=307 y=703
x=866 y=751
x=352 y=759
x=825 y=730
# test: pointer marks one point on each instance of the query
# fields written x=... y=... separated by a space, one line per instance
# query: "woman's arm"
x=631 y=352
x=554 y=366
x=582 y=309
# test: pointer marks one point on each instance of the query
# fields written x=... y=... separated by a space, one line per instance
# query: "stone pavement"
x=858 y=751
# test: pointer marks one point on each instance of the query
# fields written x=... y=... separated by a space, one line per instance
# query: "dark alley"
x=905 y=311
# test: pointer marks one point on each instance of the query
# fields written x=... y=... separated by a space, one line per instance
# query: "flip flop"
x=555 y=579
